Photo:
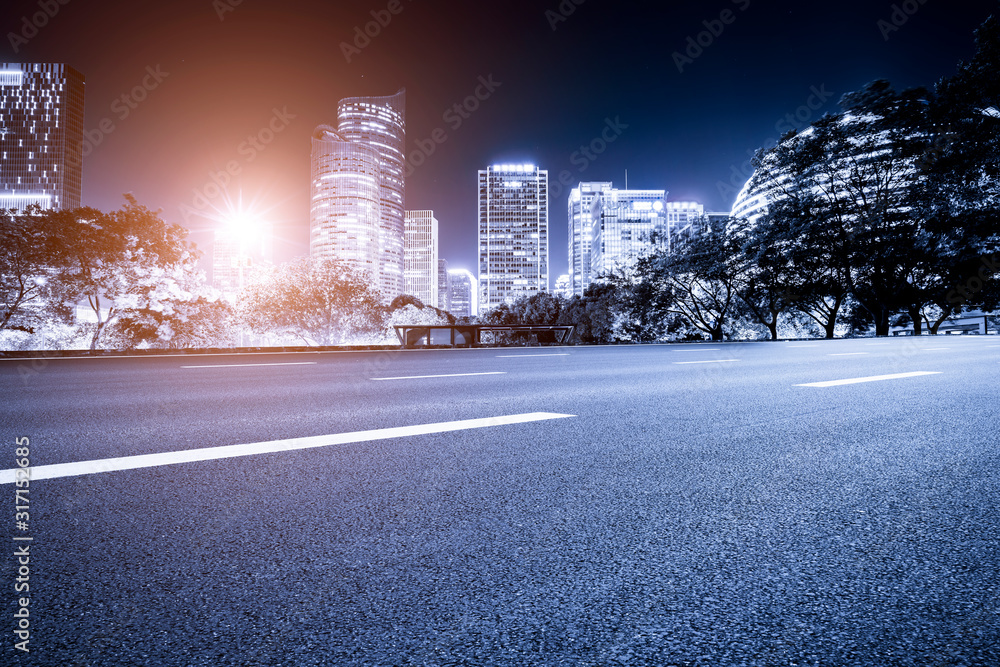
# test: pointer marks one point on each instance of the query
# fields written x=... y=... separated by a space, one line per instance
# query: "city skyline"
x=235 y=105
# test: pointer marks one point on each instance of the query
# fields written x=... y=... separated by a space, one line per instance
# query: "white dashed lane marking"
x=448 y=375
x=873 y=378
x=527 y=356
x=284 y=363
x=230 y=451
x=714 y=361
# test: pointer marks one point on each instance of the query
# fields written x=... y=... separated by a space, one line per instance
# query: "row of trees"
x=127 y=279
x=133 y=273
x=891 y=206
x=885 y=213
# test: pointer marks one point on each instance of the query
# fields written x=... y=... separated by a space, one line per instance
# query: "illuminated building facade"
x=513 y=233
x=444 y=286
x=610 y=228
x=380 y=124
x=584 y=205
x=345 y=209
x=420 y=256
x=626 y=228
x=463 y=293
x=41 y=135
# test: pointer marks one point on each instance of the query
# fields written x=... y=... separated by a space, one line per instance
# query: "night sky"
x=211 y=75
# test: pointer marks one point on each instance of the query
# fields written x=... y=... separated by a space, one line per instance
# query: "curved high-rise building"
x=380 y=123
x=345 y=212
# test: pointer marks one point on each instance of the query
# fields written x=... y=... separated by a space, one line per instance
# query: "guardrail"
x=977 y=324
x=472 y=335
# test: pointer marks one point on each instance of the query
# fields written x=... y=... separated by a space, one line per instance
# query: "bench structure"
x=472 y=335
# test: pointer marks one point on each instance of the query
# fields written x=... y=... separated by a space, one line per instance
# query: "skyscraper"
x=463 y=293
x=584 y=206
x=380 y=123
x=420 y=256
x=41 y=135
x=356 y=210
x=345 y=209
x=610 y=228
x=627 y=228
x=513 y=233
x=444 y=286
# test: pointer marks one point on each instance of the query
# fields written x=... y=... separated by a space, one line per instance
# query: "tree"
x=699 y=280
x=767 y=289
x=594 y=315
x=640 y=299
x=959 y=194
x=191 y=320
x=317 y=300
x=22 y=263
x=799 y=251
x=848 y=184
x=119 y=262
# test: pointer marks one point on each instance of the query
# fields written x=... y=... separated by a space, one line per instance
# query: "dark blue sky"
x=213 y=75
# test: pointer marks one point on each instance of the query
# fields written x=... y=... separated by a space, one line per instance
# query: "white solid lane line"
x=704 y=349
x=847 y=354
x=449 y=375
x=282 y=363
x=873 y=378
x=931 y=349
x=514 y=356
x=803 y=346
x=714 y=361
x=229 y=451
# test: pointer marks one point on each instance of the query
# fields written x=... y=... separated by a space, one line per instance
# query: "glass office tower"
x=345 y=209
x=41 y=135
x=380 y=124
x=513 y=233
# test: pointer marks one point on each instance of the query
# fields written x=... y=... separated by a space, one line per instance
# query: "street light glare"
x=245 y=223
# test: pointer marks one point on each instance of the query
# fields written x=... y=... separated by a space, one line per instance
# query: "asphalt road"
x=660 y=511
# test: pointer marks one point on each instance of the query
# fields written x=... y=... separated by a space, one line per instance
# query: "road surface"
x=705 y=504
